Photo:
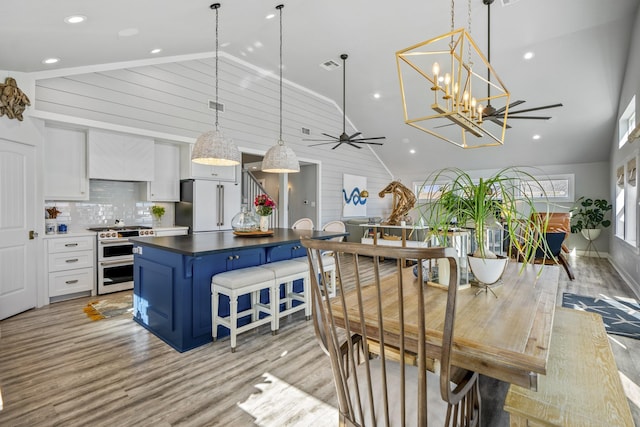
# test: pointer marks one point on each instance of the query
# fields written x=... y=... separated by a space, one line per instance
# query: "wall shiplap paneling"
x=172 y=98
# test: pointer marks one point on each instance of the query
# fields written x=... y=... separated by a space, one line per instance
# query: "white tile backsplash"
x=108 y=201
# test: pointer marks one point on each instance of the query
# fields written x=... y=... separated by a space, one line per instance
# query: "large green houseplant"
x=503 y=199
x=590 y=216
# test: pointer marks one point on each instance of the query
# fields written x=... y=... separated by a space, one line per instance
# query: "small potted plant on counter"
x=157 y=212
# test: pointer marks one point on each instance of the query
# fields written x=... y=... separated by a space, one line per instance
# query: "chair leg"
x=274 y=304
x=566 y=266
x=214 y=314
x=233 y=320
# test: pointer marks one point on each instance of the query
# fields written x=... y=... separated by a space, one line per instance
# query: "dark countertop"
x=223 y=241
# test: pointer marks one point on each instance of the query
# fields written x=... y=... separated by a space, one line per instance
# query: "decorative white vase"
x=264 y=223
x=487 y=270
x=590 y=233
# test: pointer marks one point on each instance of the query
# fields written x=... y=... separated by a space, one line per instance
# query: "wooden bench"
x=582 y=386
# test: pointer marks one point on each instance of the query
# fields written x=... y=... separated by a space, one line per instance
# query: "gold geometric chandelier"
x=444 y=89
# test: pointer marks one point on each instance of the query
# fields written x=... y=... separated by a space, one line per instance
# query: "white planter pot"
x=487 y=270
x=591 y=233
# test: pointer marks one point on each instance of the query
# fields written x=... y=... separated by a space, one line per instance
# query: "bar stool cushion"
x=286 y=267
x=236 y=279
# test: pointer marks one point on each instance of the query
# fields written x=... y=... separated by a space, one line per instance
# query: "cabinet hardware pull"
x=230 y=257
x=71 y=282
x=72 y=260
x=69 y=245
x=237 y=256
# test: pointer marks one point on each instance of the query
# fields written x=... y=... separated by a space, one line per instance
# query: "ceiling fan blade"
x=513 y=104
x=322 y=143
x=321 y=140
x=535 y=109
x=370 y=139
x=353 y=145
x=529 y=117
x=355 y=134
x=498 y=122
x=331 y=136
x=358 y=141
x=337 y=145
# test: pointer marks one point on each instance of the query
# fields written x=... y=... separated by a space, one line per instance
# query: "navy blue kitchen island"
x=172 y=277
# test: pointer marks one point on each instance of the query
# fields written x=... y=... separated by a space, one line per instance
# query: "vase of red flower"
x=264 y=208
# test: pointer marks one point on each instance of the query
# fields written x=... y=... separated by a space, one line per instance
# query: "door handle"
x=32 y=234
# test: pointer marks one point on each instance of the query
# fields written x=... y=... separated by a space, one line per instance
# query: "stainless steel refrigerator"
x=207 y=205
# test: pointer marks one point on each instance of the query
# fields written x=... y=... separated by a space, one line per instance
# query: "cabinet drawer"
x=71 y=244
x=68 y=282
x=71 y=260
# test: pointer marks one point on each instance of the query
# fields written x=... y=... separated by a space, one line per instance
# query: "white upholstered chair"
x=303 y=224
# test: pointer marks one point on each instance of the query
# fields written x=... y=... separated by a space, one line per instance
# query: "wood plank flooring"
x=58 y=368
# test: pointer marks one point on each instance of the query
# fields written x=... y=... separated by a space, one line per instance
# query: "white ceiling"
x=580 y=56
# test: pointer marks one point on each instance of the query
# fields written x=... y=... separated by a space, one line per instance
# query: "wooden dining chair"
x=557 y=226
x=389 y=384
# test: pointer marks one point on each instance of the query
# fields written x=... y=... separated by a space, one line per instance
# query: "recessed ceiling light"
x=50 y=60
x=376 y=95
x=528 y=55
x=128 y=32
x=75 y=19
x=154 y=51
x=412 y=151
x=270 y=16
x=536 y=136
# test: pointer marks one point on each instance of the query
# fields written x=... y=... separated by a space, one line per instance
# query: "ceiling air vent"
x=508 y=2
x=330 y=65
x=213 y=106
x=306 y=131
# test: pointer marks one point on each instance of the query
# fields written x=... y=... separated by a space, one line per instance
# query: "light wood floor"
x=58 y=368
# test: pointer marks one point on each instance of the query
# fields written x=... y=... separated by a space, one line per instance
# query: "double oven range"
x=115 y=256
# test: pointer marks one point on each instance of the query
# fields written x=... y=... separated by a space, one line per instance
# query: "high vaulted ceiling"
x=580 y=49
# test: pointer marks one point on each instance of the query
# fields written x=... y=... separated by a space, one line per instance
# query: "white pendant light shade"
x=280 y=159
x=212 y=148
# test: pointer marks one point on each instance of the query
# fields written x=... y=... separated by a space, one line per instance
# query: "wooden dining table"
x=505 y=336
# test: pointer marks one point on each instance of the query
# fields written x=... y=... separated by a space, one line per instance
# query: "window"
x=556 y=188
x=626 y=201
x=426 y=191
x=627 y=122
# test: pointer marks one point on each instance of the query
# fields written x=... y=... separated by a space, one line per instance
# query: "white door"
x=17 y=250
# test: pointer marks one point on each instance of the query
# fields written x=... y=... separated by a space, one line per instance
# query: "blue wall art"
x=353 y=204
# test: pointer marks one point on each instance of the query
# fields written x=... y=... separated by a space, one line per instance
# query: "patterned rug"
x=110 y=306
x=621 y=316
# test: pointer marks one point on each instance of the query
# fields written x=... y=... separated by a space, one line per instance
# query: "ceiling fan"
x=490 y=112
x=351 y=140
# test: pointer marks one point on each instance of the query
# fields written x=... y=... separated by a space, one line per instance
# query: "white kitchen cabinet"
x=121 y=157
x=165 y=186
x=190 y=170
x=65 y=164
x=70 y=266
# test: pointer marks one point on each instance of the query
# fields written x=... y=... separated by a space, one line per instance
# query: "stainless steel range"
x=115 y=256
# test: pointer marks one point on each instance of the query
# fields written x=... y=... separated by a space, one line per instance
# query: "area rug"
x=621 y=316
x=110 y=306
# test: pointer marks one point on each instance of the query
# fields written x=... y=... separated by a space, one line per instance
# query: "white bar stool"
x=234 y=283
x=287 y=272
x=329 y=265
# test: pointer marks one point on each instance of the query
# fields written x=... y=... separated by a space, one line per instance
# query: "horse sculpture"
x=403 y=201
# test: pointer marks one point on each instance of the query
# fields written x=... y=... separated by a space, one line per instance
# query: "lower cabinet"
x=172 y=292
x=70 y=266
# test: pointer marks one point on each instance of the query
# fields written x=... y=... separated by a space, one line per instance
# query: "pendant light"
x=212 y=148
x=280 y=158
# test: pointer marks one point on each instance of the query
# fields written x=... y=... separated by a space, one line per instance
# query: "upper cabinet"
x=121 y=157
x=190 y=170
x=165 y=186
x=65 y=164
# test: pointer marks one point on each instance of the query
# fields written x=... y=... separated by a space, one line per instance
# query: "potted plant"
x=157 y=212
x=589 y=217
x=500 y=200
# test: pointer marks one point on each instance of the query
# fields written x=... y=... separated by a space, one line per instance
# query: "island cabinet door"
x=288 y=251
x=203 y=269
